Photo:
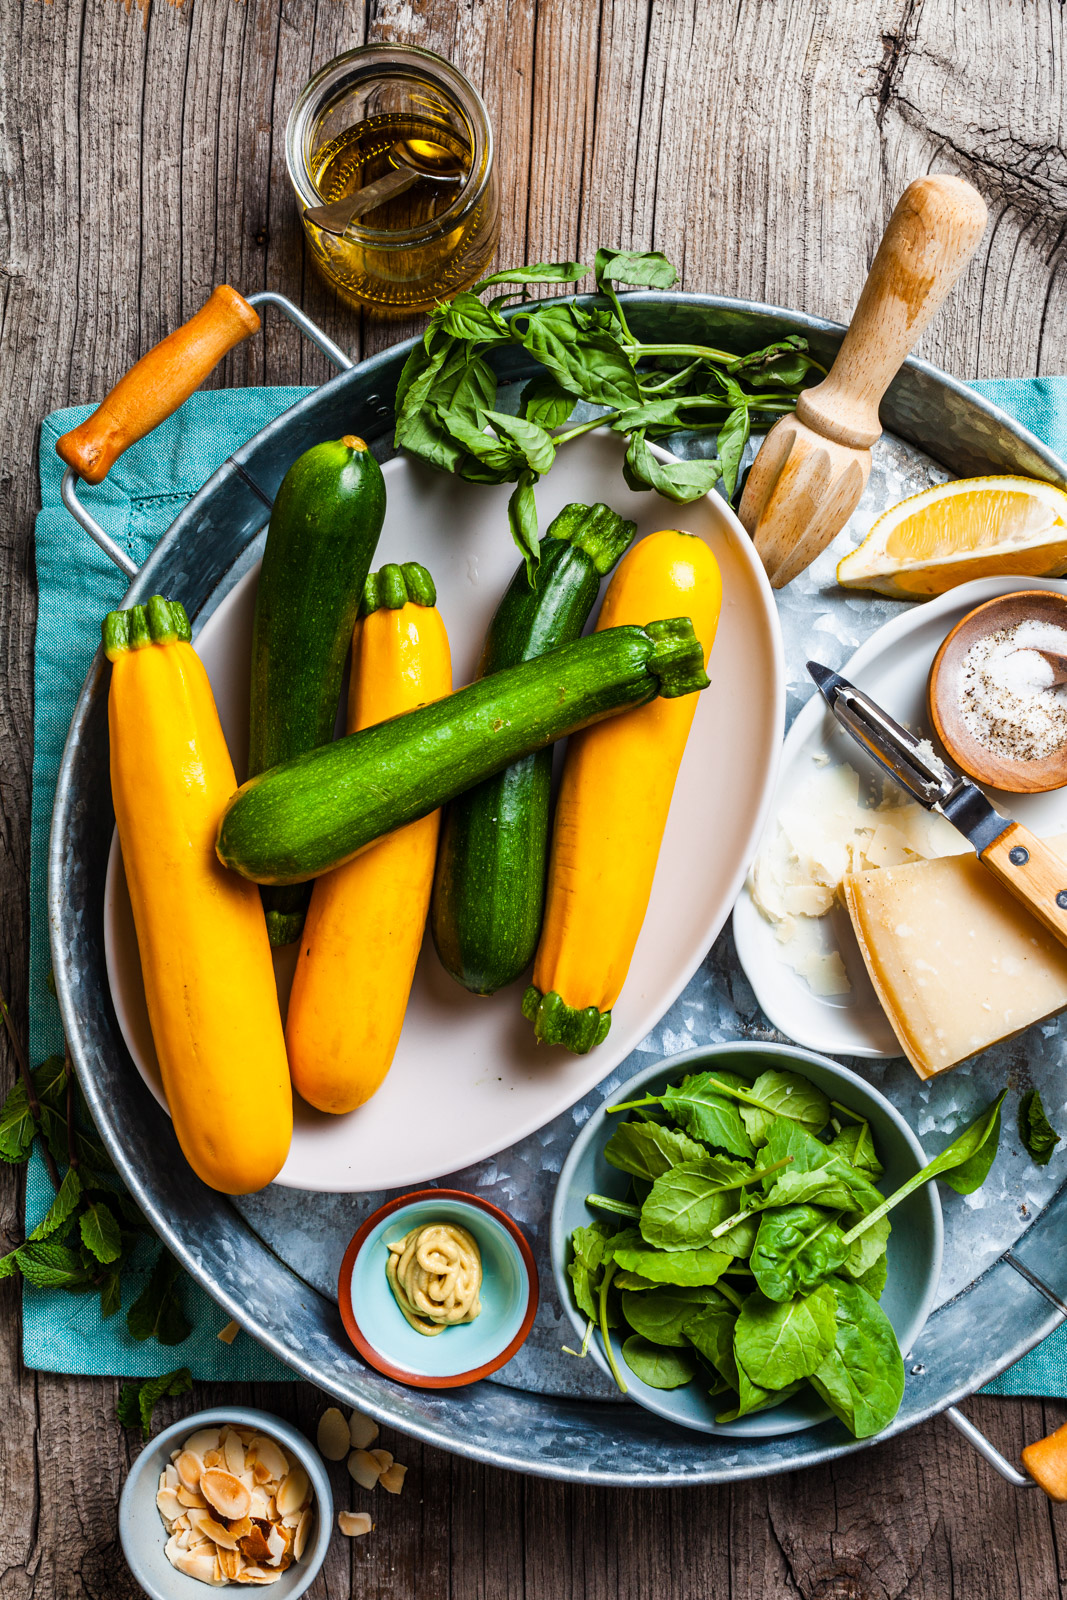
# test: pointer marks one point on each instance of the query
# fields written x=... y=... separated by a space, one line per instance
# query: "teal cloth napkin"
x=77 y=585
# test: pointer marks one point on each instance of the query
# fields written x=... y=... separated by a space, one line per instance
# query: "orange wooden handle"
x=1032 y=871
x=158 y=384
x=1046 y=1462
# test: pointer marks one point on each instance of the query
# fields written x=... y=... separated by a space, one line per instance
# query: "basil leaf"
x=733 y=436
x=659 y=1368
x=539 y=272
x=661 y=1314
x=862 y=1377
x=680 y=481
x=777 y=1342
x=48 y=1264
x=689 y=1268
x=645 y=267
x=16 y=1126
x=62 y=1208
x=417 y=378
x=534 y=443
x=782 y=1094
x=157 y=1311
x=466 y=387
x=796 y=1249
x=544 y=402
x=100 y=1232
x=591 y=365
x=522 y=520
x=465 y=317
x=1035 y=1130
x=647 y=1150
x=707 y=1115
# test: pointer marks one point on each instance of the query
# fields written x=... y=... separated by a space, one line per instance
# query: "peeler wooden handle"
x=158 y=384
x=931 y=236
x=1031 y=871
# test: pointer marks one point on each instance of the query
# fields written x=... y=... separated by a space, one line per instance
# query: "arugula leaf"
x=862 y=1377
x=47 y=1264
x=777 y=1342
x=963 y=1164
x=100 y=1232
x=16 y=1126
x=157 y=1312
x=1035 y=1130
x=797 y=1248
x=659 y=1368
x=661 y=1314
x=648 y=1150
x=62 y=1208
x=139 y=1398
x=688 y=1268
x=545 y=402
x=643 y=267
x=680 y=481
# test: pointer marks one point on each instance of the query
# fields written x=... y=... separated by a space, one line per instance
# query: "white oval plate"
x=467 y=1079
x=893 y=667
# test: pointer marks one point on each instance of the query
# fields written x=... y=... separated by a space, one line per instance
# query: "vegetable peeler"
x=1027 y=867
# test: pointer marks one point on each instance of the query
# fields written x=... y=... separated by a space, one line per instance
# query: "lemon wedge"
x=971 y=528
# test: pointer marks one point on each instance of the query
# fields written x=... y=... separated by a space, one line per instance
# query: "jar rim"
x=392 y=58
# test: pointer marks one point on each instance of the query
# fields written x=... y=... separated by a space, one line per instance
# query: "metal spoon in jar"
x=412 y=159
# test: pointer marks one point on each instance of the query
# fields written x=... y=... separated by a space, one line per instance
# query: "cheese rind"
x=956 y=962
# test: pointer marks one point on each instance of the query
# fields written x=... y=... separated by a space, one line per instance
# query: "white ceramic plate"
x=893 y=667
x=467 y=1079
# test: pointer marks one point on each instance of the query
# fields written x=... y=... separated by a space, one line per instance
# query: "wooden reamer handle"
x=158 y=384
x=931 y=236
x=1031 y=871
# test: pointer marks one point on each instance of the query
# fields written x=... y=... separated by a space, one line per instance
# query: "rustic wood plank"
x=762 y=147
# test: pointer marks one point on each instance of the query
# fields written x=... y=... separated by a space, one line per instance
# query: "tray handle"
x=999 y=1463
x=157 y=385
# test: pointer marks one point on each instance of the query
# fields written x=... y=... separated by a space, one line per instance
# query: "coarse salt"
x=1007 y=700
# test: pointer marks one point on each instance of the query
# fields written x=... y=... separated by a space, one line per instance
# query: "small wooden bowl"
x=943 y=694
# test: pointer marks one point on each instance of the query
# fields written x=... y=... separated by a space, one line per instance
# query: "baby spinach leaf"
x=1035 y=1130
x=788 y=1139
x=796 y=1248
x=683 y=1207
x=648 y=1150
x=777 y=1342
x=680 y=481
x=874 y=1279
x=711 y=1330
x=862 y=1377
x=752 y=1398
x=870 y=1247
x=699 y=1266
x=633 y=1280
x=659 y=1368
x=821 y=1187
x=545 y=402
x=855 y=1145
x=739 y=1240
x=661 y=1314
x=782 y=1094
x=963 y=1164
x=707 y=1115
x=645 y=267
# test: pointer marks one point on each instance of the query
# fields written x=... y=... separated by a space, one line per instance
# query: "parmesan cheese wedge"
x=956 y=962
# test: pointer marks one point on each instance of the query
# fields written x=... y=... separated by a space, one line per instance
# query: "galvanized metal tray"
x=271 y=1259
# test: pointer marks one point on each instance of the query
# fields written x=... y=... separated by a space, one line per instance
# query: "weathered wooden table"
x=761 y=145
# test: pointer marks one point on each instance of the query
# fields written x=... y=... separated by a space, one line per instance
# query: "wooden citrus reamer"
x=813 y=466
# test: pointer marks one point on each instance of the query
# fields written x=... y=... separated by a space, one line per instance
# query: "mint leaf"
x=111 y=1294
x=100 y=1232
x=157 y=1312
x=138 y=1399
x=49 y=1265
x=16 y=1126
x=1035 y=1130
x=62 y=1208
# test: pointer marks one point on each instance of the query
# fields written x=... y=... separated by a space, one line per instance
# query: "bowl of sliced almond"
x=240 y=1497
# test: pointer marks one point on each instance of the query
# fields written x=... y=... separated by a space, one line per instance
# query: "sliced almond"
x=191 y=1497
x=225 y=1493
x=393 y=1478
x=180 y=1523
x=294 y=1491
x=260 y=1504
x=277 y=1546
x=172 y=1548
x=170 y=1473
x=229 y=1333
x=231 y=1562
x=196 y=1563
x=246 y=1435
x=214 y=1531
x=247 y=1478
x=354 y=1524
x=254 y=1547
x=189 y=1466
x=261 y=1472
x=162 y=1481
x=168 y=1505
x=260 y=1575
x=240 y=1527
x=272 y=1456
x=234 y=1452
x=203 y=1440
x=363 y=1467
x=302 y=1533
x=362 y=1431
x=383 y=1458
x=214 y=1458
x=332 y=1435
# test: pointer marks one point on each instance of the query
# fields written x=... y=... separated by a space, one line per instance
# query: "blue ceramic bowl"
x=463 y=1354
x=915 y=1244
x=141 y=1529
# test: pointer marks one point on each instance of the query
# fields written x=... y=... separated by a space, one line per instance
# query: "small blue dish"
x=915 y=1244
x=463 y=1354
x=141 y=1529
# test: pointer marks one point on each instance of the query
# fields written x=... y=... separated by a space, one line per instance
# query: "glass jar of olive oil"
x=397 y=113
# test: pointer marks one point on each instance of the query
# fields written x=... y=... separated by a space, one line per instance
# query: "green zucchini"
x=489 y=889
x=313 y=813
x=323 y=532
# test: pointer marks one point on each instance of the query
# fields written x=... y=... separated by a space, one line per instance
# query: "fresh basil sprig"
x=1035 y=1130
x=446 y=396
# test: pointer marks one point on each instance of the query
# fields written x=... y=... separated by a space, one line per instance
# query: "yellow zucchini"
x=201 y=932
x=618 y=779
x=365 y=924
